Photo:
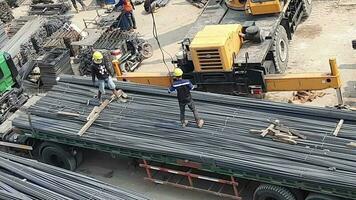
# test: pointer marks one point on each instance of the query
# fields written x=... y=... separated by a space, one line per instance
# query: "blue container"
x=110 y=1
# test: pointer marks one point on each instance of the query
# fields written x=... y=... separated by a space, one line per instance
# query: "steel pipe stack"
x=26 y=179
x=149 y=122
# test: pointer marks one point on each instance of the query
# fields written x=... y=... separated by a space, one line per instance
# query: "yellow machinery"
x=213 y=48
x=274 y=82
x=256 y=7
x=213 y=51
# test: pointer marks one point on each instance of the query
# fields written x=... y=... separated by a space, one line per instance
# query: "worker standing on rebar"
x=183 y=88
x=127 y=8
x=101 y=71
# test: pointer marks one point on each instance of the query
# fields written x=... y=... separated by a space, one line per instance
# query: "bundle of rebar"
x=149 y=122
x=52 y=64
x=49 y=9
x=5 y=12
x=62 y=38
x=26 y=179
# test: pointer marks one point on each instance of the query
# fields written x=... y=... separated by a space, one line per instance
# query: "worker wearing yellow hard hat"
x=183 y=88
x=101 y=71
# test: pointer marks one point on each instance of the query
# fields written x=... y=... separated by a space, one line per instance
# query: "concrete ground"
x=326 y=33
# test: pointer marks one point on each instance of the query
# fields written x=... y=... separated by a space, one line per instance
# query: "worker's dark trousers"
x=191 y=106
x=74 y=2
x=132 y=19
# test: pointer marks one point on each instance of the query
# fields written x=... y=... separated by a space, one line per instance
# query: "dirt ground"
x=326 y=33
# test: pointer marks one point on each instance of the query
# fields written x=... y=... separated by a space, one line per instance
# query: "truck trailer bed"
x=147 y=127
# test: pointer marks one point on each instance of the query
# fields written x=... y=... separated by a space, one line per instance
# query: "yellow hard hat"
x=178 y=72
x=97 y=57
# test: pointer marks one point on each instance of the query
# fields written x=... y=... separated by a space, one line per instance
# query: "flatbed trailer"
x=202 y=168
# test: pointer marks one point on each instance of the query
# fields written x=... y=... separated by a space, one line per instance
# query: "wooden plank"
x=14 y=145
x=68 y=114
x=95 y=115
x=265 y=132
x=338 y=127
x=351 y=144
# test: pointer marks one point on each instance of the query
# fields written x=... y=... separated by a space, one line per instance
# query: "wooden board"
x=95 y=115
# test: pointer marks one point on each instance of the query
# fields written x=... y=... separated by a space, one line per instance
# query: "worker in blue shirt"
x=183 y=88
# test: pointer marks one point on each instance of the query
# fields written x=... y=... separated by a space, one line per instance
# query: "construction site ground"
x=328 y=32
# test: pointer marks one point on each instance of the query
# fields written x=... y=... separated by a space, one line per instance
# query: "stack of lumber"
x=26 y=179
x=149 y=122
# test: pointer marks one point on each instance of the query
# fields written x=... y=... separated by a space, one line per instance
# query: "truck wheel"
x=272 y=192
x=315 y=196
x=79 y=157
x=147 y=5
x=280 y=50
x=307 y=8
x=54 y=154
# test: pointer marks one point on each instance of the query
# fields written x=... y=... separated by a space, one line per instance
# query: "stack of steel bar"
x=114 y=39
x=59 y=8
x=52 y=64
x=62 y=38
x=3 y=36
x=5 y=12
x=21 y=41
x=22 y=178
x=149 y=122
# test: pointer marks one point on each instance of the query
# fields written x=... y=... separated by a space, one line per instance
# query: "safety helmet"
x=97 y=57
x=178 y=72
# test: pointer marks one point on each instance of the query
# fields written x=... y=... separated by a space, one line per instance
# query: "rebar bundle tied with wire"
x=149 y=123
x=26 y=179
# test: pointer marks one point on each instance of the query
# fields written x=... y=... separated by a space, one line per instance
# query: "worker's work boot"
x=200 y=123
x=184 y=123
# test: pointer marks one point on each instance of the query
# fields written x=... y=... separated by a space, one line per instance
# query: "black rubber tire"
x=147 y=5
x=56 y=155
x=79 y=157
x=315 y=196
x=307 y=8
x=280 y=50
x=267 y=191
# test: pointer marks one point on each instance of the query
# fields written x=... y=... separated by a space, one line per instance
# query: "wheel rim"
x=56 y=161
x=282 y=50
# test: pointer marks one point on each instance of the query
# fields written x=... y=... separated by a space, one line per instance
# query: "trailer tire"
x=280 y=50
x=56 y=155
x=307 y=8
x=79 y=157
x=316 y=196
x=147 y=5
x=267 y=191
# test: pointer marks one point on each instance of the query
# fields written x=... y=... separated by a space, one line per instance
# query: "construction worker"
x=183 y=88
x=101 y=71
x=127 y=8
